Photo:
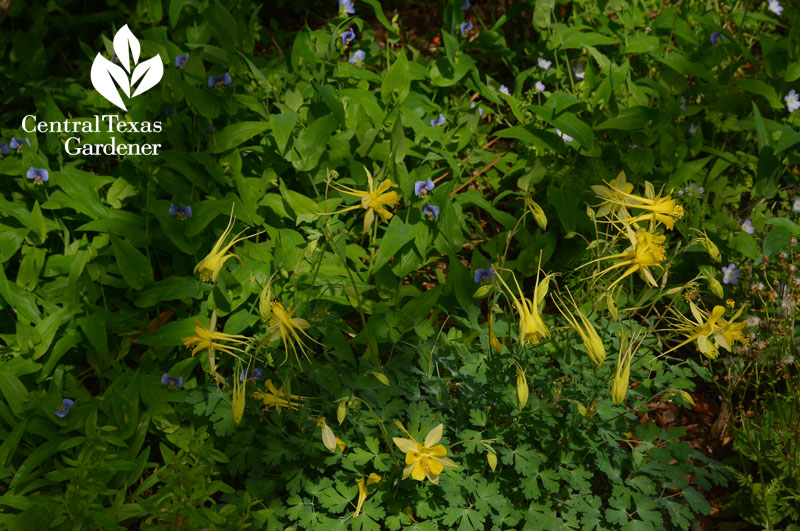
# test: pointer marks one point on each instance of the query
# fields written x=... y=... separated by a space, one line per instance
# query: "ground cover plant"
x=399 y=265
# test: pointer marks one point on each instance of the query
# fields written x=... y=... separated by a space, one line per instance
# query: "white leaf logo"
x=107 y=76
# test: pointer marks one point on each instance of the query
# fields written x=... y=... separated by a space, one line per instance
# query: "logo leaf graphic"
x=104 y=74
x=150 y=71
x=127 y=47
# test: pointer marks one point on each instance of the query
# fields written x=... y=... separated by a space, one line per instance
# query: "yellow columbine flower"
x=493 y=341
x=659 y=209
x=612 y=196
x=622 y=376
x=328 y=438
x=424 y=460
x=209 y=339
x=211 y=265
x=646 y=251
x=522 y=386
x=278 y=398
x=531 y=326
x=362 y=490
x=281 y=323
x=238 y=397
x=373 y=200
x=707 y=327
x=585 y=329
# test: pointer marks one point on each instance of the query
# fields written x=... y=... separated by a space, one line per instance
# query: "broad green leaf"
x=393 y=239
x=310 y=144
x=282 y=125
x=133 y=265
x=235 y=134
x=13 y=390
x=396 y=81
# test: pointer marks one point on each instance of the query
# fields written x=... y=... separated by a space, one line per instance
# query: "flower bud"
x=522 y=388
x=491 y=458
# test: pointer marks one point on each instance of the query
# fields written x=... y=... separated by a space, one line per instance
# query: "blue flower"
x=730 y=275
x=182 y=212
x=346 y=7
x=716 y=38
x=466 y=27
x=796 y=205
x=358 y=56
x=224 y=79
x=544 y=63
x=4 y=149
x=422 y=187
x=484 y=274
x=692 y=129
x=775 y=7
x=169 y=111
x=251 y=375
x=436 y=122
x=579 y=71
x=181 y=60
x=539 y=86
x=792 y=103
x=747 y=226
x=480 y=109
x=564 y=136
x=348 y=36
x=38 y=175
x=431 y=211
x=64 y=409
x=16 y=143
x=166 y=379
x=504 y=90
x=465 y=5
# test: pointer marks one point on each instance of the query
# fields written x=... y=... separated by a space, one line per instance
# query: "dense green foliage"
x=359 y=308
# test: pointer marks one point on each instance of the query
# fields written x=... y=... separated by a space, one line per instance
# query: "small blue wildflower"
x=224 y=79
x=466 y=27
x=346 y=7
x=747 y=226
x=64 y=409
x=348 y=36
x=796 y=205
x=484 y=274
x=480 y=109
x=539 y=86
x=431 y=211
x=4 y=149
x=182 y=212
x=716 y=38
x=692 y=129
x=775 y=7
x=255 y=374
x=465 y=5
x=730 y=275
x=38 y=175
x=423 y=187
x=181 y=60
x=792 y=102
x=436 y=122
x=358 y=56
x=504 y=90
x=564 y=136
x=166 y=379
x=579 y=71
x=691 y=189
x=683 y=105
x=544 y=63
x=16 y=143
x=169 y=111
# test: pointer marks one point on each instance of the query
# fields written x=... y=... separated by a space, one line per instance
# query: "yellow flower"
x=373 y=200
x=586 y=331
x=362 y=490
x=278 y=398
x=537 y=213
x=612 y=195
x=658 y=209
x=622 y=376
x=282 y=323
x=328 y=438
x=493 y=341
x=646 y=251
x=424 y=460
x=710 y=330
x=211 y=265
x=522 y=387
x=531 y=326
x=238 y=398
x=209 y=339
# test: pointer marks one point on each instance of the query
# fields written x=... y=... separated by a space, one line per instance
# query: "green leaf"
x=393 y=239
x=171 y=288
x=13 y=390
x=282 y=125
x=761 y=128
x=397 y=81
x=235 y=134
x=223 y=24
x=381 y=16
x=310 y=144
x=746 y=244
x=133 y=265
x=696 y=500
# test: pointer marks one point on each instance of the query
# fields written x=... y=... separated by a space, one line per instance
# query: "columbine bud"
x=491 y=458
x=238 y=398
x=538 y=213
x=620 y=386
x=522 y=387
x=716 y=287
x=341 y=411
x=328 y=438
